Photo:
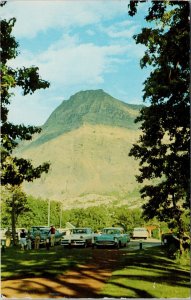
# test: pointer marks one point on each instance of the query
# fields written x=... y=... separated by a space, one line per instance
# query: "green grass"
x=16 y=263
x=146 y=273
x=149 y=274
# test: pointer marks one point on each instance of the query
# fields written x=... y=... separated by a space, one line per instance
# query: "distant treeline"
x=95 y=217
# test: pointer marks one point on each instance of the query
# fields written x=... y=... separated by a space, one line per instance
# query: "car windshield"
x=111 y=231
x=140 y=229
x=33 y=228
x=79 y=231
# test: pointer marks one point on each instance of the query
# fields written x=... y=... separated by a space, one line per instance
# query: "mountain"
x=87 y=140
x=87 y=107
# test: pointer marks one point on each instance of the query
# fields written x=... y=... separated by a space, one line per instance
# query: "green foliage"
x=13 y=198
x=163 y=148
x=39 y=208
x=101 y=216
x=128 y=218
x=14 y=170
x=184 y=259
x=15 y=205
x=95 y=217
x=34 y=211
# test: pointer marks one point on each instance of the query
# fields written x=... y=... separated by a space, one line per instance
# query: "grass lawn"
x=16 y=263
x=146 y=273
x=149 y=274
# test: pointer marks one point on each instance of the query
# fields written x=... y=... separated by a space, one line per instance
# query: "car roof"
x=120 y=228
x=80 y=228
x=39 y=226
x=139 y=228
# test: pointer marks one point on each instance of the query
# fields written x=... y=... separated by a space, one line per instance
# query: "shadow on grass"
x=90 y=271
x=43 y=272
x=18 y=264
x=141 y=270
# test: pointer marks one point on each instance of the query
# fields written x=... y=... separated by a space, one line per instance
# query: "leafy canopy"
x=16 y=170
x=163 y=147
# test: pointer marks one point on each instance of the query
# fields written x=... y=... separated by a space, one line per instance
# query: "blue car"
x=111 y=236
x=45 y=234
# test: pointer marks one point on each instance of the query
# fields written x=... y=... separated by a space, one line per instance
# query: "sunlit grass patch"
x=148 y=274
x=184 y=259
x=129 y=283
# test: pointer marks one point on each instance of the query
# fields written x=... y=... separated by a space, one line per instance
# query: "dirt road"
x=85 y=281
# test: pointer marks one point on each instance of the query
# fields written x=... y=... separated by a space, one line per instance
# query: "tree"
x=15 y=170
x=16 y=204
x=163 y=147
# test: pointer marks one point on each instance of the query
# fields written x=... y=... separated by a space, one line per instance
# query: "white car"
x=78 y=237
x=140 y=233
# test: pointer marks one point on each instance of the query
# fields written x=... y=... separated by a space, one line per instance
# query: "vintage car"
x=78 y=237
x=170 y=238
x=140 y=233
x=111 y=236
x=44 y=235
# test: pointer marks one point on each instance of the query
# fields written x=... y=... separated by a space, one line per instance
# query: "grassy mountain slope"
x=87 y=107
x=87 y=140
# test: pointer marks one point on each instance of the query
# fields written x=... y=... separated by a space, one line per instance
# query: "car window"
x=79 y=231
x=111 y=231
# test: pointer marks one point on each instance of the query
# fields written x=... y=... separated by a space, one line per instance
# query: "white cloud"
x=70 y=63
x=68 y=66
x=127 y=33
x=124 y=29
x=59 y=14
x=66 y=41
x=74 y=61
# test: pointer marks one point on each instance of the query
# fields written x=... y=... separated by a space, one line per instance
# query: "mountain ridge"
x=90 y=163
x=87 y=107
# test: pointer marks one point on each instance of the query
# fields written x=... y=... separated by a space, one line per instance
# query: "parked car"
x=78 y=237
x=111 y=236
x=169 y=238
x=140 y=233
x=44 y=234
x=3 y=236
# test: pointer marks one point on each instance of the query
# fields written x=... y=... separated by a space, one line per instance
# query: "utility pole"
x=49 y=212
x=60 y=214
x=13 y=219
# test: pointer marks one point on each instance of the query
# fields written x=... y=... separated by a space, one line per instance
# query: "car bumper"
x=105 y=243
x=73 y=242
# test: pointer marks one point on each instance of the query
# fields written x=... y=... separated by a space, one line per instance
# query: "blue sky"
x=77 y=45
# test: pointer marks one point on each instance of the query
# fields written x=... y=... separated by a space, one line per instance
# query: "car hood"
x=75 y=236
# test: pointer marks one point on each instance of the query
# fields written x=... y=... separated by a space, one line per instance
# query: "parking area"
x=150 y=242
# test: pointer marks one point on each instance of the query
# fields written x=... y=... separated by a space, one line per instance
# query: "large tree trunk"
x=179 y=222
